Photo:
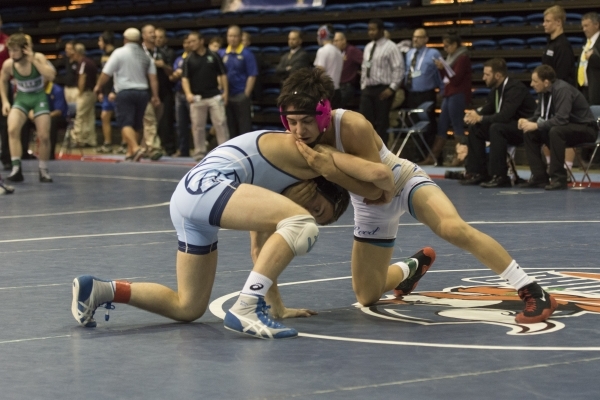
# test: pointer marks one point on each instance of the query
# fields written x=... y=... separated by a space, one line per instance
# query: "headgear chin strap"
x=322 y=115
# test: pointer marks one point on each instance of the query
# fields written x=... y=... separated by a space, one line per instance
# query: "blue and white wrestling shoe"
x=88 y=294
x=250 y=316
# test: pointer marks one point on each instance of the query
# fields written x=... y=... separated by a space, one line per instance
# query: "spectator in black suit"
x=562 y=119
x=295 y=59
x=496 y=122
x=588 y=71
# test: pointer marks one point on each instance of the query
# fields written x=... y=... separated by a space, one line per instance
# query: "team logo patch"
x=577 y=294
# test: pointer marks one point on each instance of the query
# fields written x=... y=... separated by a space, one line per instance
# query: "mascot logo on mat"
x=577 y=293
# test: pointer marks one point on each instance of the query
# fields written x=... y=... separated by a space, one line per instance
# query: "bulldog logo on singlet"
x=577 y=294
x=225 y=163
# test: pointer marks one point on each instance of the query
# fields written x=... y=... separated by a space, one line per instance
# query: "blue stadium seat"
x=361 y=47
x=340 y=27
x=361 y=6
x=65 y=21
x=533 y=65
x=149 y=17
x=271 y=50
x=170 y=34
x=358 y=27
x=82 y=36
x=271 y=110
x=512 y=43
x=67 y=37
x=574 y=18
x=215 y=12
x=270 y=92
x=514 y=1
x=96 y=19
x=484 y=22
x=477 y=67
x=118 y=36
x=312 y=48
x=223 y=31
x=516 y=67
x=93 y=53
x=183 y=15
x=512 y=21
x=113 y=20
x=480 y=92
x=382 y=5
x=287 y=29
x=313 y=28
x=269 y=71
x=208 y=32
x=182 y=33
x=130 y=18
x=12 y=25
x=535 y=19
x=338 y=8
x=254 y=49
x=390 y=26
x=484 y=44
x=166 y=17
x=253 y=30
x=272 y=30
x=576 y=41
x=538 y=42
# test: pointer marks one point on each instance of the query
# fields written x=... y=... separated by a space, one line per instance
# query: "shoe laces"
x=530 y=303
x=264 y=309
x=109 y=306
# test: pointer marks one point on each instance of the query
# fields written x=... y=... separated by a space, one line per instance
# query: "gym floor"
x=455 y=337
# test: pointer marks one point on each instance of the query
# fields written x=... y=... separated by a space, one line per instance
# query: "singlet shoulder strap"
x=337 y=123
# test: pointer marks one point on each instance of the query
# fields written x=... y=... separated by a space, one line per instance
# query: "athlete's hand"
x=100 y=97
x=386 y=197
x=293 y=313
x=322 y=163
x=5 y=108
x=301 y=193
x=325 y=149
x=112 y=96
x=27 y=52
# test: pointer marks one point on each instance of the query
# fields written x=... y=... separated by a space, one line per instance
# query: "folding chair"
x=67 y=143
x=596 y=111
x=419 y=120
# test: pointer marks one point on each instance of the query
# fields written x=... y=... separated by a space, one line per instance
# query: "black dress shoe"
x=475 y=179
x=534 y=183
x=497 y=182
x=556 y=185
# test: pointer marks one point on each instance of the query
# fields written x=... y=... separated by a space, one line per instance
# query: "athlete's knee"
x=191 y=313
x=300 y=232
x=366 y=296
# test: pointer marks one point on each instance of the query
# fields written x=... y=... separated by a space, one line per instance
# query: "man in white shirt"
x=330 y=59
x=132 y=70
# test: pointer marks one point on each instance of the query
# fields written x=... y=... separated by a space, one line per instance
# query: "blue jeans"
x=453 y=113
x=183 y=124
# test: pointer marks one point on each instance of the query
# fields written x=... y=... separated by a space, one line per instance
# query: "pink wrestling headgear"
x=322 y=114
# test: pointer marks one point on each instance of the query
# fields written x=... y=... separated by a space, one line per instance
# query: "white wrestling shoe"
x=250 y=316
x=88 y=294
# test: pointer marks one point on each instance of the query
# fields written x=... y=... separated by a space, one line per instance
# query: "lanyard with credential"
x=547 y=109
x=418 y=68
x=153 y=56
x=499 y=103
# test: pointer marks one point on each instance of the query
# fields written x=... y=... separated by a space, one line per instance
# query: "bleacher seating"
x=510 y=30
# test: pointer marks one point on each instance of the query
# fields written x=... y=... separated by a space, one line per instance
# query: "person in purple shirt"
x=350 y=79
x=241 y=75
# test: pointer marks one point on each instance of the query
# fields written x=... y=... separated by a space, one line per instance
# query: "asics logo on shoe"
x=257 y=286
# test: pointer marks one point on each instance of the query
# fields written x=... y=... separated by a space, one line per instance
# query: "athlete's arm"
x=44 y=67
x=4 y=78
x=322 y=162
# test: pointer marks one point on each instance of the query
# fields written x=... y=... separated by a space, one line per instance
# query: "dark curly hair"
x=335 y=194
x=304 y=88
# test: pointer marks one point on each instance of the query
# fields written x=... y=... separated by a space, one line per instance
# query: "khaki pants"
x=198 y=113
x=71 y=94
x=84 y=129
x=151 y=139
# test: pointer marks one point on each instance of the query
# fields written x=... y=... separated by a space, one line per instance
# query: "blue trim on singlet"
x=412 y=193
x=377 y=242
x=268 y=162
x=196 y=250
x=216 y=212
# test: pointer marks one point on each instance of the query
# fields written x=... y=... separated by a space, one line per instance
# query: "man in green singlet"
x=30 y=71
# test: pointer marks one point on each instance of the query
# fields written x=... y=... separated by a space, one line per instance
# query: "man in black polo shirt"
x=202 y=70
x=562 y=119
